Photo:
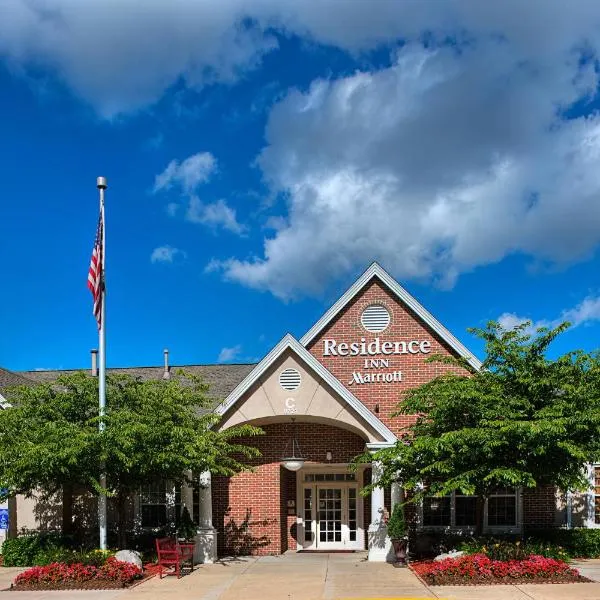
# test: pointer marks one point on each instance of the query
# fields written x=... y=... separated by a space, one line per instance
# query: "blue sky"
x=260 y=157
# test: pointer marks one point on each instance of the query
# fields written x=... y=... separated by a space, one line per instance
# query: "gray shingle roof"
x=10 y=378
x=220 y=378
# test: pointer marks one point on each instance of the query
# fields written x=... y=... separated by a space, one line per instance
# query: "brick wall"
x=381 y=398
x=540 y=507
x=259 y=498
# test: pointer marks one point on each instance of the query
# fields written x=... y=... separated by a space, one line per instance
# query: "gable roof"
x=290 y=342
x=9 y=379
x=377 y=271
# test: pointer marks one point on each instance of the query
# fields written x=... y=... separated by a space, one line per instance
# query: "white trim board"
x=289 y=342
x=376 y=270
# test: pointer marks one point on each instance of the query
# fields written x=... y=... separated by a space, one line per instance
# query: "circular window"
x=289 y=380
x=375 y=318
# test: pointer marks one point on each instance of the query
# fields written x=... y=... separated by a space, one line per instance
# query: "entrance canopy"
x=290 y=382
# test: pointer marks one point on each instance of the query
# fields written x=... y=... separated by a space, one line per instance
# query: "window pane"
x=154 y=515
x=436 y=511
x=502 y=511
x=465 y=510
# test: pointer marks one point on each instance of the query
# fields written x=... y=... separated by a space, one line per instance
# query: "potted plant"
x=186 y=531
x=396 y=527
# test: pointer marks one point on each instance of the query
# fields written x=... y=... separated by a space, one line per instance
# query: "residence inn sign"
x=376 y=357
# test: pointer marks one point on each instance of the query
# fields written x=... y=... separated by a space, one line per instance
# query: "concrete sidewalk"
x=312 y=577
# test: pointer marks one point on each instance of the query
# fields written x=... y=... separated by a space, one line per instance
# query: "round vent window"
x=375 y=318
x=289 y=380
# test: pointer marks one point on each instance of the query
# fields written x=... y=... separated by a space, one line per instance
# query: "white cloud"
x=120 y=58
x=166 y=254
x=452 y=158
x=443 y=162
x=188 y=174
x=585 y=312
x=216 y=214
x=229 y=354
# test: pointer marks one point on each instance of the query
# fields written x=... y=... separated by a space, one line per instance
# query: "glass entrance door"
x=330 y=517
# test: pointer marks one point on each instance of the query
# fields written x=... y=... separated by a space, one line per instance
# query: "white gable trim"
x=375 y=270
x=351 y=400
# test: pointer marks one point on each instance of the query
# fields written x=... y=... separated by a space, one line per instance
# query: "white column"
x=379 y=543
x=206 y=538
x=396 y=494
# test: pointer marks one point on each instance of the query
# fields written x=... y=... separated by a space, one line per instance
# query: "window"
x=465 y=510
x=459 y=510
x=330 y=477
x=436 y=511
x=597 y=495
x=160 y=503
x=502 y=508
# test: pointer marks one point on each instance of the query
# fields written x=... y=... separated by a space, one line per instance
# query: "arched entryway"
x=270 y=509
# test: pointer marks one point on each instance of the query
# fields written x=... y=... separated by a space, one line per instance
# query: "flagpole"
x=101 y=185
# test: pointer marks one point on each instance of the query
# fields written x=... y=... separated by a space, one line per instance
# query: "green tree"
x=522 y=420
x=155 y=430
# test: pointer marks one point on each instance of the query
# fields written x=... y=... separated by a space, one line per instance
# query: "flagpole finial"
x=101 y=183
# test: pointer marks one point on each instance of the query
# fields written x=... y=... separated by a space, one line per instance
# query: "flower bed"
x=479 y=569
x=59 y=576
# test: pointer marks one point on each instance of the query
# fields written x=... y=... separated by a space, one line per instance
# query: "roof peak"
x=376 y=270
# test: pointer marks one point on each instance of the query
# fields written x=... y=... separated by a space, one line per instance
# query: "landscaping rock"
x=129 y=556
x=451 y=554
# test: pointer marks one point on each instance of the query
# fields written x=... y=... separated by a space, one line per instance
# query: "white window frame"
x=589 y=520
x=171 y=508
x=516 y=528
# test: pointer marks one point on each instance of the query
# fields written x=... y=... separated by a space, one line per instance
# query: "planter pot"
x=400 y=549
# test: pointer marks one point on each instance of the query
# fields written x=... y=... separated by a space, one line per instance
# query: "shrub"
x=57 y=573
x=498 y=549
x=480 y=568
x=396 y=524
x=44 y=549
x=22 y=551
x=578 y=543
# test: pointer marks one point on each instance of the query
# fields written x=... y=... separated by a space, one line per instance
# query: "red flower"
x=112 y=570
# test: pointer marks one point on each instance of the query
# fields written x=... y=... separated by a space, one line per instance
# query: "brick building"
x=321 y=401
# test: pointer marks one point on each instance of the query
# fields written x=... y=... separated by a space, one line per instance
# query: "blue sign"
x=3 y=518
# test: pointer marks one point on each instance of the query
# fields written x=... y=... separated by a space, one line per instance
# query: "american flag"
x=95 y=274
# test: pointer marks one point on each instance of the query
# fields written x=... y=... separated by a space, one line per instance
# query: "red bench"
x=173 y=554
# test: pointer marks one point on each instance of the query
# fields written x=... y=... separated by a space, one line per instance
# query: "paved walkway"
x=313 y=577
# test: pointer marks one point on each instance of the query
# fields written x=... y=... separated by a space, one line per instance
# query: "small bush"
x=45 y=549
x=578 y=543
x=396 y=525
x=22 y=551
x=496 y=549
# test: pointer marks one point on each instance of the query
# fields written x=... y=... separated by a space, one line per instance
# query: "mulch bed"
x=69 y=585
x=150 y=570
x=450 y=580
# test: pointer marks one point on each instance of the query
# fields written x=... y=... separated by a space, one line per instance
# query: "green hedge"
x=551 y=543
x=43 y=549
x=579 y=542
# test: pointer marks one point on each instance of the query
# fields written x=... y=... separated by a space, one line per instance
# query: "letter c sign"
x=290 y=406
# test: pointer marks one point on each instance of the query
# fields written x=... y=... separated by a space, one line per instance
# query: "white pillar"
x=379 y=543
x=396 y=494
x=206 y=538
